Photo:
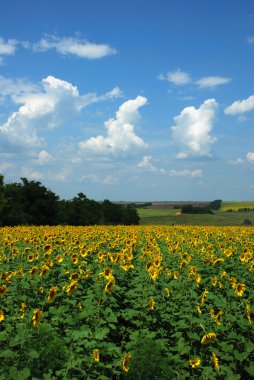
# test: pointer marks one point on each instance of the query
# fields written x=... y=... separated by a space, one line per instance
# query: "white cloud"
x=177 y=77
x=192 y=130
x=31 y=174
x=212 y=81
x=186 y=173
x=74 y=46
x=4 y=166
x=15 y=89
x=7 y=48
x=108 y=180
x=180 y=78
x=57 y=103
x=146 y=164
x=238 y=161
x=43 y=158
x=121 y=137
x=240 y=106
x=250 y=157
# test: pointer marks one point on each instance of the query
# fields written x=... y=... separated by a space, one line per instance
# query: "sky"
x=129 y=100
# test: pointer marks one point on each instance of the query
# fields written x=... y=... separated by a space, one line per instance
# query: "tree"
x=215 y=205
x=2 y=198
x=29 y=202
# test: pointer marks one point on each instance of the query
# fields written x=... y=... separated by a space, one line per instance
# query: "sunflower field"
x=118 y=302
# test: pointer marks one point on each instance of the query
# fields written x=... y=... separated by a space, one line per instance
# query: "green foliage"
x=215 y=205
x=31 y=203
x=190 y=209
x=247 y=222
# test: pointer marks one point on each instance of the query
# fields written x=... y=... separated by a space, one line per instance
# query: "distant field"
x=235 y=205
x=172 y=217
x=155 y=212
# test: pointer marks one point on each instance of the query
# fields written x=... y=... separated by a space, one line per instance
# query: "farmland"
x=117 y=302
x=168 y=213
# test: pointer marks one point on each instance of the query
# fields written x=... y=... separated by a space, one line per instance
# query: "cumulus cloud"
x=186 y=173
x=212 y=81
x=146 y=164
x=31 y=174
x=121 y=137
x=192 y=130
x=250 y=157
x=15 y=89
x=177 y=77
x=7 y=48
x=43 y=158
x=180 y=78
x=240 y=106
x=58 y=101
x=238 y=161
x=74 y=46
x=108 y=180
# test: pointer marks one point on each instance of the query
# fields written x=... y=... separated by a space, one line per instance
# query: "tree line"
x=31 y=203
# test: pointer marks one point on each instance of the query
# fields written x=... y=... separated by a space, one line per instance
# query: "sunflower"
x=214 y=281
x=107 y=273
x=52 y=294
x=1 y=316
x=33 y=271
x=37 y=315
x=23 y=306
x=126 y=362
x=44 y=271
x=75 y=276
x=216 y=262
x=96 y=355
x=111 y=282
x=215 y=361
x=41 y=290
x=204 y=296
x=208 y=338
x=194 y=362
x=239 y=289
x=154 y=273
x=248 y=313
x=175 y=275
x=3 y=290
x=197 y=278
x=167 y=292
x=218 y=317
x=70 y=288
x=59 y=259
x=183 y=264
x=151 y=303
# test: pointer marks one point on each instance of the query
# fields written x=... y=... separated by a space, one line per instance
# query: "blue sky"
x=138 y=100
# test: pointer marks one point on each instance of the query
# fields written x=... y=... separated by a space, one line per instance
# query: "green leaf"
x=15 y=374
x=250 y=370
x=101 y=333
x=249 y=347
x=240 y=355
x=33 y=354
x=8 y=354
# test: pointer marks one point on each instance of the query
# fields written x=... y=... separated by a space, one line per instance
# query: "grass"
x=150 y=212
x=235 y=205
x=157 y=217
